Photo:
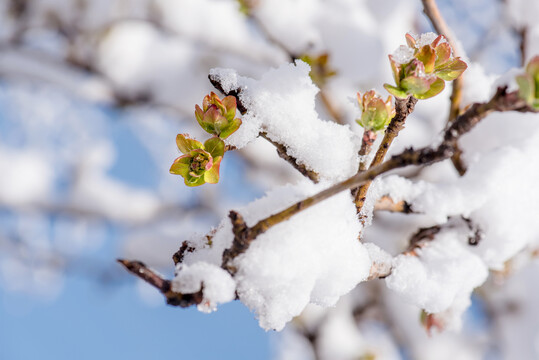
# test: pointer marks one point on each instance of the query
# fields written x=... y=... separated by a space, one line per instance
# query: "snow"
x=270 y=279
x=441 y=276
x=403 y=54
x=217 y=284
x=282 y=104
x=425 y=39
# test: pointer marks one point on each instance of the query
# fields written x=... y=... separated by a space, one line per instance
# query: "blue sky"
x=89 y=321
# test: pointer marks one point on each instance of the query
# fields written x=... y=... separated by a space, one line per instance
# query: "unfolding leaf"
x=181 y=165
x=229 y=103
x=396 y=70
x=186 y=144
x=396 y=92
x=410 y=40
x=435 y=88
x=443 y=54
x=451 y=70
x=415 y=84
x=231 y=127
x=427 y=56
x=215 y=146
x=212 y=175
x=526 y=87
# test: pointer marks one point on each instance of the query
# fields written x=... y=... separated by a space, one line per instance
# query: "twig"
x=386 y=203
x=369 y=137
x=281 y=149
x=164 y=286
x=433 y=13
x=523 y=40
x=335 y=114
x=501 y=101
x=403 y=108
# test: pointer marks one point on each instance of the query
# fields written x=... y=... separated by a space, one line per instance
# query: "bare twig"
x=369 y=137
x=386 y=203
x=164 y=286
x=281 y=151
x=523 y=41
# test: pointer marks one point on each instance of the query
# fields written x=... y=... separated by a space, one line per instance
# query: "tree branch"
x=501 y=101
x=433 y=13
x=403 y=108
x=281 y=149
x=164 y=286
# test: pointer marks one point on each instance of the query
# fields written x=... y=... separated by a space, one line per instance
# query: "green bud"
x=528 y=83
x=375 y=112
x=218 y=117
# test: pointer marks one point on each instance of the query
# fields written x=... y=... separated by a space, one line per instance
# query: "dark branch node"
x=179 y=255
x=216 y=82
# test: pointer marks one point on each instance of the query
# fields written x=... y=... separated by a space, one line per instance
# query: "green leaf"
x=186 y=144
x=410 y=40
x=435 y=88
x=212 y=176
x=428 y=57
x=525 y=88
x=231 y=127
x=199 y=114
x=396 y=92
x=451 y=70
x=415 y=84
x=215 y=146
x=181 y=165
x=443 y=53
x=396 y=69
x=230 y=104
x=192 y=181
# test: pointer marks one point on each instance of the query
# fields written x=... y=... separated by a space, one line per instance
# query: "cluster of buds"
x=421 y=68
x=375 y=112
x=200 y=163
x=528 y=83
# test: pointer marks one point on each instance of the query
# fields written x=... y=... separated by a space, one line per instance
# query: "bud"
x=200 y=162
x=375 y=113
x=218 y=116
x=421 y=68
x=528 y=83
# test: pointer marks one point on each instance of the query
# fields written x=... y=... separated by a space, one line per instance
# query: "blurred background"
x=92 y=95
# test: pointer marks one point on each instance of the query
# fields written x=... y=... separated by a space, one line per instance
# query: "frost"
x=425 y=39
x=403 y=54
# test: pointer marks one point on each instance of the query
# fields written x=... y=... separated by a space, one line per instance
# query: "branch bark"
x=403 y=108
x=501 y=101
x=140 y=270
x=281 y=149
x=433 y=13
